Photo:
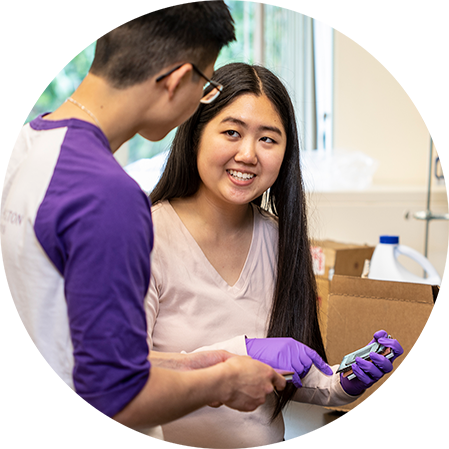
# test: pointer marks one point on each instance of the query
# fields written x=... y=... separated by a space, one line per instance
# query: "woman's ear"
x=175 y=79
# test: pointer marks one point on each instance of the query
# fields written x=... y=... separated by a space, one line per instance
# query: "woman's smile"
x=241 y=178
x=241 y=150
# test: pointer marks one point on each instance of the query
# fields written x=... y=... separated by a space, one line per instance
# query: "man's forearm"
x=168 y=360
x=167 y=395
x=239 y=382
x=187 y=362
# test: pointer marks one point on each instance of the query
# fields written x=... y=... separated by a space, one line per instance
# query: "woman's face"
x=241 y=150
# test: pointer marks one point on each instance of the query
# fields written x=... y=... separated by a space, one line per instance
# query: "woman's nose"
x=247 y=153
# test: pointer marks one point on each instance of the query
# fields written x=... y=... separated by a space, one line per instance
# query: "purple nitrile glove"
x=368 y=373
x=286 y=354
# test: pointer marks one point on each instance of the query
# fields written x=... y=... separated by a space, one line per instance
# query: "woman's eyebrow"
x=237 y=121
x=274 y=129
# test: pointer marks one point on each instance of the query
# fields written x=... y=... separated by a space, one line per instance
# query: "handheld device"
x=288 y=375
x=349 y=359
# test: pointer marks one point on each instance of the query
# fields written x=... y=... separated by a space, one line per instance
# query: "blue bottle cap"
x=391 y=239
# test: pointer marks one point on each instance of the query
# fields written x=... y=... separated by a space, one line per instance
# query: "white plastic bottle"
x=385 y=265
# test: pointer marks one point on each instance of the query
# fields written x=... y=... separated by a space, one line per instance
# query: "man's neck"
x=116 y=111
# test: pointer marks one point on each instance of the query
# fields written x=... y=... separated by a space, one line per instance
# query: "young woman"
x=231 y=268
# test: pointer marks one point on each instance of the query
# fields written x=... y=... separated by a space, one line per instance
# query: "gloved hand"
x=369 y=373
x=287 y=354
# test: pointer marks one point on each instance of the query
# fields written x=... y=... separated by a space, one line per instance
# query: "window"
x=294 y=39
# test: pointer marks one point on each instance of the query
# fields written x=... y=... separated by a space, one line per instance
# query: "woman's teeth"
x=239 y=175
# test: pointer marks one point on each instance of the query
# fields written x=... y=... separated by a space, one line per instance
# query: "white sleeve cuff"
x=236 y=345
x=320 y=389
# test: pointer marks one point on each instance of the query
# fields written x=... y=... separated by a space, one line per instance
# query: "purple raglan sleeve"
x=95 y=225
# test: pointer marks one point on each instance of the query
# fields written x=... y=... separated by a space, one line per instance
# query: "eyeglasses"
x=207 y=97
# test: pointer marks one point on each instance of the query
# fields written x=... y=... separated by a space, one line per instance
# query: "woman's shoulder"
x=168 y=232
x=159 y=207
x=162 y=215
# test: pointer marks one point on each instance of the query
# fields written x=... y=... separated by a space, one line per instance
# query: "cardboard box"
x=394 y=411
x=357 y=308
x=332 y=258
x=323 y=286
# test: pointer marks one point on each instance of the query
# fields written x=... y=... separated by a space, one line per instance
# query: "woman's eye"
x=232 y=133
x=268 y=140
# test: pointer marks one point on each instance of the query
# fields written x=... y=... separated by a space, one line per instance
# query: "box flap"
x=349 y=262
x=342 y=258
x=336 y=245
x=369 y=288
x=359 y=307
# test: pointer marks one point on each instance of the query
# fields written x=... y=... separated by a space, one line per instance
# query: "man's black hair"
x=137 y=50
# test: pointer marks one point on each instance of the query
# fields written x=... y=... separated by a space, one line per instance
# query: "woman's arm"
x=320 y=389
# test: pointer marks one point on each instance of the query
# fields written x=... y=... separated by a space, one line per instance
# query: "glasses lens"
x=211 y=96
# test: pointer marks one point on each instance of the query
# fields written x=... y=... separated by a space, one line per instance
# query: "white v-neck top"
x=190 y=306
x=193 y=305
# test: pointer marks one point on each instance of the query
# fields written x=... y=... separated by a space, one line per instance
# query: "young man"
x=77 y=232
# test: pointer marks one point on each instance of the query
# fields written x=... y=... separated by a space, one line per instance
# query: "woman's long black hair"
x=294 y=309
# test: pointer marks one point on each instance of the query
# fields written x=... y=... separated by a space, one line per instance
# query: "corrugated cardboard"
x=394 y=411
x=345 y=259
x=341 y=259
x=323 y=305
x=357 y=308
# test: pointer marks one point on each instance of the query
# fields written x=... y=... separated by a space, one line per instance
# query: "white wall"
x=361 y=217
x=373 y=114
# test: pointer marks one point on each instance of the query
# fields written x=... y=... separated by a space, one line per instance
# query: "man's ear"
x=174 y=80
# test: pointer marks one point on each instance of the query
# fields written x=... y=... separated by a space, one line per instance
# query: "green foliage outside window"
x=24 y=96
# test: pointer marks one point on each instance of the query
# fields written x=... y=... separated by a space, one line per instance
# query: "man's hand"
x=239 y=382
x=247 y=384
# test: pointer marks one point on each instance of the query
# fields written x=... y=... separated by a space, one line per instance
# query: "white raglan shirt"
x=76 y=236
